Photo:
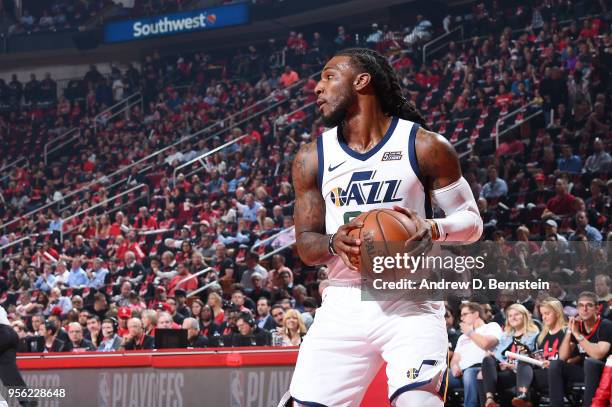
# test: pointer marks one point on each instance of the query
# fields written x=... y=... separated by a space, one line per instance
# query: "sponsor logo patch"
x=392 y=156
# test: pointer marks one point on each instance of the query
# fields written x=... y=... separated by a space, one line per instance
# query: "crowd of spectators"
x=108 y=279
x=48 y=16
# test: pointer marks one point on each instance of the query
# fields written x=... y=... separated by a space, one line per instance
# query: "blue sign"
x=177 y=23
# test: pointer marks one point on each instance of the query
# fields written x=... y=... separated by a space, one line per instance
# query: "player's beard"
x=336 y=116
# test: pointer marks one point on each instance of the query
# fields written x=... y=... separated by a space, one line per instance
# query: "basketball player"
x=9 y=373
x=377 y=154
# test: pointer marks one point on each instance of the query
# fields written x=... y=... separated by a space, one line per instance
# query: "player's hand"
x=545 y=364
x=345 y=245
x=421 y=242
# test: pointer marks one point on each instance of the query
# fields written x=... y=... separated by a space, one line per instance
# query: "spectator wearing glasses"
x=77 y=343
x=476 y=340
x=588 y=337
x=136 y=338
x=110 y=340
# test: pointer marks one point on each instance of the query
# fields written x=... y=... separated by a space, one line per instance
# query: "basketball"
x=381 y=226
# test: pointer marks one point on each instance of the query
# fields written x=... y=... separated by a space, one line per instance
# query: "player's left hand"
x=421 y=242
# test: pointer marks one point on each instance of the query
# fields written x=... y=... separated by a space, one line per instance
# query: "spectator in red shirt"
x=144 y=221
x=216 y=304
x=562 y=204
x=504 y=98
x=289 y=77
x=297 y=115
x=590 y=29
x=115 y=229
x=123 y=314
x=187 y=285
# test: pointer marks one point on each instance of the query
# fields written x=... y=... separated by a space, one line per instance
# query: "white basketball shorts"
x=350 y=338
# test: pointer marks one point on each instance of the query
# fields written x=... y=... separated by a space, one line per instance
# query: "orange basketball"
x=382 y=234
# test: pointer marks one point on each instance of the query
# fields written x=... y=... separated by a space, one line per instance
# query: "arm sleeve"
x=462 y=222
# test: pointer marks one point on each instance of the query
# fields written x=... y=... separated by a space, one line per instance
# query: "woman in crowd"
x=196 y=308
x=497 y=369
x=216 y=304
x=547 y=349
x=293 y=328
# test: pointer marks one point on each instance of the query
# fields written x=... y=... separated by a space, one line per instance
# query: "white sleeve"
x=3 y=317
x=462 y=222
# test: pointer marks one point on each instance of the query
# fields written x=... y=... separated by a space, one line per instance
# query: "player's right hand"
x=345 y=245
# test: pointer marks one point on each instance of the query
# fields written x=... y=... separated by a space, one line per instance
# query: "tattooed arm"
x=309 y=214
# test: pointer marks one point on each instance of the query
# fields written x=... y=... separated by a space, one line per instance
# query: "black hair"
x=385 y=82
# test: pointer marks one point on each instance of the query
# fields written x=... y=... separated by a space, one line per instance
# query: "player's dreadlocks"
x=386 y=83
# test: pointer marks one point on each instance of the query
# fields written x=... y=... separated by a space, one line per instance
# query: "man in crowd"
x=77 y=276
x=252 y=264
x=94 y=330
x=278 y=313
x=264 y=319
x=136 y=338
x=249 y=334
x=582 y=353
x=476 y=340
x=194 y=339
x=77 y=343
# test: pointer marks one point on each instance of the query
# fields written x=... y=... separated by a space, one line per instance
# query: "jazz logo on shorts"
x=413 y=373
x=363 y=189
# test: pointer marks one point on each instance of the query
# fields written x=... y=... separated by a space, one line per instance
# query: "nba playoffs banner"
x=149 y=387
x=176 y=23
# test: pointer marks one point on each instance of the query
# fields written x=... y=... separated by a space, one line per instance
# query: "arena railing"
x=502 y=119
x=123 y=106
x=67 y=138
x=23 y=239
x=279 y=121
x=121 y=170
x=10 y=166
x=194 y=275
x=99 y=204
x=206 y=129
x=437 y=40
x=277 y=250
x=201 y=157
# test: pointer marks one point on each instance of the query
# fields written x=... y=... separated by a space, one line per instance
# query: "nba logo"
x=237 y=385
x=104 y=390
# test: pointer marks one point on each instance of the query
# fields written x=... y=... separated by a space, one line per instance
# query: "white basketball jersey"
x=352 y=182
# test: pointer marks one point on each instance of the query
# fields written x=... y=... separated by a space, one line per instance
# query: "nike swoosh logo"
x=330 y=168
